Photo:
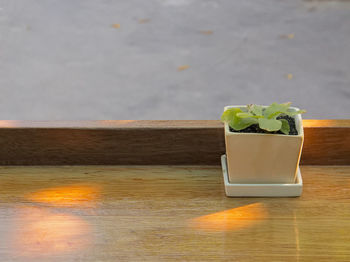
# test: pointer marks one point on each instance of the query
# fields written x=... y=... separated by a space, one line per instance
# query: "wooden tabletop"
x=167 y=213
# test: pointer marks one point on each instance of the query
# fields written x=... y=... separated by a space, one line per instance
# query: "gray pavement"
x=171 y=59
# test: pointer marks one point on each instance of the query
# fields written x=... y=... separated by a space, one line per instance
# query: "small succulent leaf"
x=242 y=123
x=285 y=128
x=250 y=120
x=287 y=104
x=270 y=124
x=244 y=115
x=230 y=114
x=293 y=113
x=257 y=110
x=273 y=110
x=276 y=114
x=270 y=110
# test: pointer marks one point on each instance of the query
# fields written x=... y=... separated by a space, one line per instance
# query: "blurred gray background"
x=171 y=59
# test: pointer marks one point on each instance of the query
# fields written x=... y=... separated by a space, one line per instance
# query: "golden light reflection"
x=8 y=123
x=232 y=219
x=41 y=233
x=67 y=195
x=325 y=123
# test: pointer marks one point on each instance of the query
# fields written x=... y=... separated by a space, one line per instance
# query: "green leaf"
x=230 y=116
x=293 y=113
x=241 y=123
x=273 y=110
x=244 y=115
x=256 y=110
x=270 y=124
x=285 y=127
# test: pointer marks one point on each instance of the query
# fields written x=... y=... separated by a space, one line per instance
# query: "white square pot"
x=255 y=158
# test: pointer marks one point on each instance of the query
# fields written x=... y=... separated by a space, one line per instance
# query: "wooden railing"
x=131 y=142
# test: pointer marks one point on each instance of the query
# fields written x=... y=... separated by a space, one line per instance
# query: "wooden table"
x=94 y=191
x=167 y=213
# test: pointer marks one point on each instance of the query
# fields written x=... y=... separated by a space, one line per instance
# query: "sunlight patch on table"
x=72 y=195
x=232 y=219
x=40 y=233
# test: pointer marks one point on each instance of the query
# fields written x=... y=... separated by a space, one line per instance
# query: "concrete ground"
x=171 y=59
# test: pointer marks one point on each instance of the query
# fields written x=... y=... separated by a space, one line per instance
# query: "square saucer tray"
x=261 y=190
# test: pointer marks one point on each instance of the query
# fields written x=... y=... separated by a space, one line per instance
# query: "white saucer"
x=261 y=190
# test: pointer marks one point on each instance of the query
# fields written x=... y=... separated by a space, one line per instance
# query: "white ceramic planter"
x=254 y=158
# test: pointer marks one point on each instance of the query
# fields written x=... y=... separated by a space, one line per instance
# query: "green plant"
x=265 y=117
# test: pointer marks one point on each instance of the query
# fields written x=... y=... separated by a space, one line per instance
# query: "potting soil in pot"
x=256 y=129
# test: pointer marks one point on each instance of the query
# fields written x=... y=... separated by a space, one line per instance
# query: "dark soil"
x=257 y=129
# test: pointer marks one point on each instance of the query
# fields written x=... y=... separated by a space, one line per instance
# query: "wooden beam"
x=130 y=142
x=327 y=142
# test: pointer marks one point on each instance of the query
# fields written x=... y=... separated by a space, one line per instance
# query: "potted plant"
x=263 y=143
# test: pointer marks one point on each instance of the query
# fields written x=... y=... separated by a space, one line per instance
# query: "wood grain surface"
x=129 y=142
x=167 y=213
